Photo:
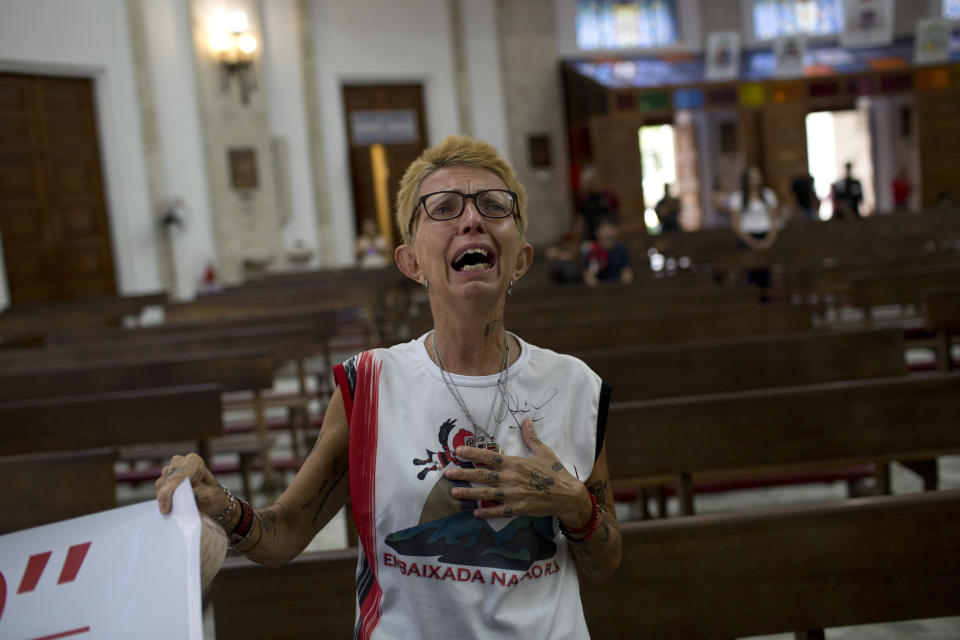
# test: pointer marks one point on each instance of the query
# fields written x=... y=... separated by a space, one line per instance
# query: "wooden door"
x=938 y=117
x=784 y=140
x=615 y=148
x=391 y=115
x=56 y=240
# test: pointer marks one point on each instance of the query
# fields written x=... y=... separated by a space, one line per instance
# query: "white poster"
x=123 y=574
x=789 y=53
x=723 y=55
x=932 y=42
x=867 y=23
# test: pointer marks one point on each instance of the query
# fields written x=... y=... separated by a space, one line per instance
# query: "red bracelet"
x=244 y=526
x=582 y=534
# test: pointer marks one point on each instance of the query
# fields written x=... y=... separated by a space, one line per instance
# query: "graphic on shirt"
x=448 y=529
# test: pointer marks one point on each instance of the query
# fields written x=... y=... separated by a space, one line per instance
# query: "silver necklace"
x=482 y=438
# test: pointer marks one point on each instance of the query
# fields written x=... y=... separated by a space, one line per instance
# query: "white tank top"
x=427 y=567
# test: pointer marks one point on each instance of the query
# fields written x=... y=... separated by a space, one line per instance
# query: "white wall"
x=88 y=38
x=288 y=118
x=170 y=43
x=378 y=43
x=482 y=49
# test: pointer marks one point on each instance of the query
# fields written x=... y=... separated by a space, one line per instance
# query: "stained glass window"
x=951 y=9
x=625 y=24
x=773 y=18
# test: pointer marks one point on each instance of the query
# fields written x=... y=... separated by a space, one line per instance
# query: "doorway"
x=658 y=157
x=53 y=219
x=386 y=130
x=833 y=139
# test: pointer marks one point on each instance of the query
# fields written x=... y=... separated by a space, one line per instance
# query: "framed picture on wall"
x=789 y=53
x=243 y=169
x=932 y=42
x=723 y=55
x=867 y=23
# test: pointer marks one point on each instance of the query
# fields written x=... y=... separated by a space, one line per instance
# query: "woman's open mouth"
x=473 y=259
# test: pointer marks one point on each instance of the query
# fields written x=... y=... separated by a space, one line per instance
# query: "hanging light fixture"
x=235 y=45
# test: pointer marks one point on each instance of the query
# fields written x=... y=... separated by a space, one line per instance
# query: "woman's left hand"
x=536 y=486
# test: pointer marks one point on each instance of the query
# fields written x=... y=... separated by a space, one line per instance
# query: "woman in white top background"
x=755 y=218
x=755 y=211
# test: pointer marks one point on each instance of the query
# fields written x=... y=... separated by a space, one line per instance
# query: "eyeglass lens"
x=493 y=203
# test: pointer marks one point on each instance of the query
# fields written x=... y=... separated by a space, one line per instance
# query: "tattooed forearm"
x=268 y=520
x=599 y=491
x=556 y=466
x=603 y=532
x=326 y=495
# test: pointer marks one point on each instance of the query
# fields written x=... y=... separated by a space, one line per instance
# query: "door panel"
x=784 y=146
x=56 y=239
x=615 y=148
x=399 y=155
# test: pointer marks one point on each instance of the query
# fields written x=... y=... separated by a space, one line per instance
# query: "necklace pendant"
x=484 y=441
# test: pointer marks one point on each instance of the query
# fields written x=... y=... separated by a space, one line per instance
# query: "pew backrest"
x=902 y=418
x=790 y=569
x=110 y=419
x=42 y=488
x=247 y=370
x=568 y=335
x=750 y=362
x=315 y=591
x=286 y=342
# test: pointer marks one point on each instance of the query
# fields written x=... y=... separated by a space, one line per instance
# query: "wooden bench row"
x=791 y=569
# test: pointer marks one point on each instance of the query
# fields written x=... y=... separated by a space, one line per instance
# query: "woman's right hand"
x=210 y=498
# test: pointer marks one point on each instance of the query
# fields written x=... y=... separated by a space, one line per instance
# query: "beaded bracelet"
x=582 y=534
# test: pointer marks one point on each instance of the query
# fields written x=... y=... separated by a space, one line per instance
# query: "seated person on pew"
x=472 y=457
x=607 y=260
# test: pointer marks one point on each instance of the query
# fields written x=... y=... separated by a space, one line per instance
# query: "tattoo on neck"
x=492 y=325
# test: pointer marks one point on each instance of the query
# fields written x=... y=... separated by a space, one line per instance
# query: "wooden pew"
x=47 y=467
x=324 y=327
x=110 y=419
x=232 y=370
x=942 y=317
x=42 y=488
x=779 y=430
x=371 y=292
x=603 y=303
x=697 y=578
x=877 y=237
x=30 y=322
x=749 y=362
x=568 y=335
x=287 y=342
x=793 y=569
x=314 y=591
x=903 y=286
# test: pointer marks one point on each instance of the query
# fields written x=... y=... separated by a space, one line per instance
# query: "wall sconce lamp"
x=235 y=46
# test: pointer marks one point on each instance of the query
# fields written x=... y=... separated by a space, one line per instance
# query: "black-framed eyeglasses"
x=447 y=205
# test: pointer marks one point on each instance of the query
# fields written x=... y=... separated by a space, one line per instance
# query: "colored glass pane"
x=774 y=18
x=951 y=9
x=625 y=24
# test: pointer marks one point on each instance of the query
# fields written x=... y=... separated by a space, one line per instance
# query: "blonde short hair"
x=455 y=151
